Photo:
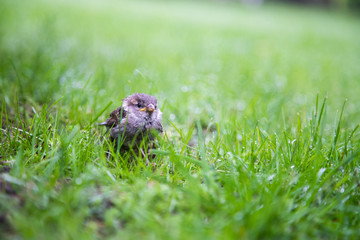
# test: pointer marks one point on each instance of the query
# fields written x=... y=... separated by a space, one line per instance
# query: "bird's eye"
x=139 y=105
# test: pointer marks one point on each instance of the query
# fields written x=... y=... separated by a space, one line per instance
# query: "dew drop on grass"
x=321 y=171
x=78 y=181
x=137 y=72
x=280 y=81
x=238 y=216
x=345 y=199
x=240 y=105
x=172 y=117
x=271 y=177
x=260 y=207
x=238 y=137
x=221 y=151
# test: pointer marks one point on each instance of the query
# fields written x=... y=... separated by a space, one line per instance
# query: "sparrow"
x=137 y=118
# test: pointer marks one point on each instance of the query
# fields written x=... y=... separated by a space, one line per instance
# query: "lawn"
x=261 y=111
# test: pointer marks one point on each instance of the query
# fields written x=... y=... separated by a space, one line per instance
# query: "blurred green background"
x=207 y=59
x=272 y=166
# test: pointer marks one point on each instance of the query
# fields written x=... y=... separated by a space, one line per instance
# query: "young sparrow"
x=130 y=123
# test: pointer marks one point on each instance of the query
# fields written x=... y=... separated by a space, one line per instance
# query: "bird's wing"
x=115 y=118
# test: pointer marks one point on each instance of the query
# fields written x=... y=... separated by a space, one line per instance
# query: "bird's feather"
x=115 y=118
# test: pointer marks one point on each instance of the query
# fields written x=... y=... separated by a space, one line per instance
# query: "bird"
x=137 y=118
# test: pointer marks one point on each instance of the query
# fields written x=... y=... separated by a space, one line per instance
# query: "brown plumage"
x=137 y=118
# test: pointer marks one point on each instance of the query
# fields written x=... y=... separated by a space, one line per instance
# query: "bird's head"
x=142 y=106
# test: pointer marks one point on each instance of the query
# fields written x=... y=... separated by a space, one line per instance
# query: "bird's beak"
x=149 y=108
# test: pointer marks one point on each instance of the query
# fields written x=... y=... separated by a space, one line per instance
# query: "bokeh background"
x=250 y=150
x=207 y=59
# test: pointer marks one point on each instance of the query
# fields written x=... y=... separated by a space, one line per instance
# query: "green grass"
x=260 y=107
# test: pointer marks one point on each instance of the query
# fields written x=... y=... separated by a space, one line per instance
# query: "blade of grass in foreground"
x=333 y=172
